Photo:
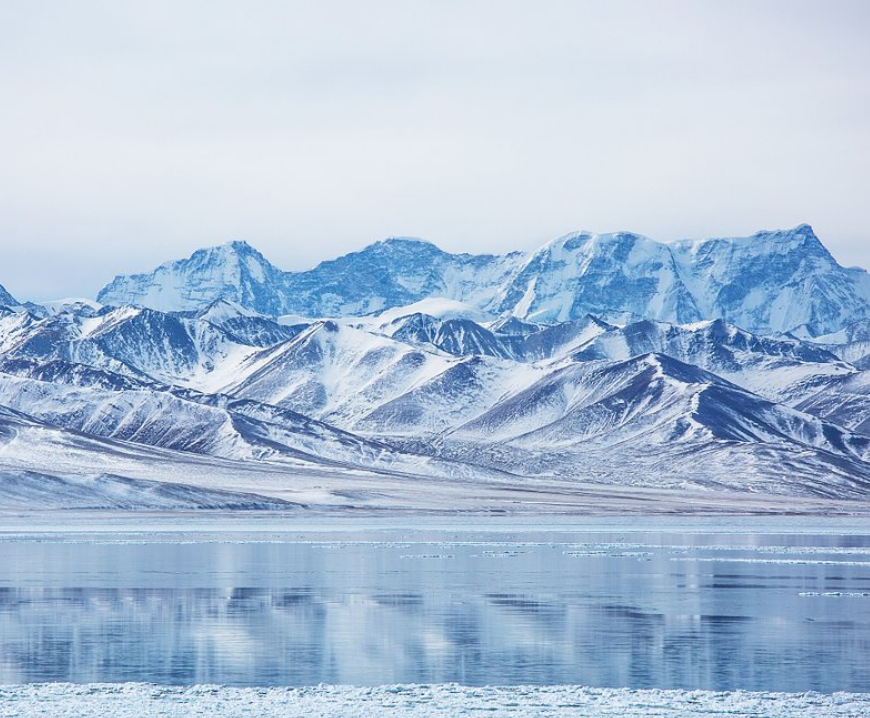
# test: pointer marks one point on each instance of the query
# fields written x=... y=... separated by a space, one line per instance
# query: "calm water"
x=666 y=609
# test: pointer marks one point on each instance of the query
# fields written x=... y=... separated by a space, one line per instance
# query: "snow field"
x=142 y=700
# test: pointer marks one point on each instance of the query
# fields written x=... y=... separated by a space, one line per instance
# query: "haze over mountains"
x=613 y=360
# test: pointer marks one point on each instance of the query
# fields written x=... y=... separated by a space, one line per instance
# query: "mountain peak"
x=239 y=246
x=399 y=241
x=575 y=240
x=771 y=281
x=666 y=366
x=403 y=246
x=233 y=248
x=801 y=232
x=760 y=239
x=7 y=300
x=233 y=271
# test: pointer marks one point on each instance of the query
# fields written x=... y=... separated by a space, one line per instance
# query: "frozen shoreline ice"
x=142 y=700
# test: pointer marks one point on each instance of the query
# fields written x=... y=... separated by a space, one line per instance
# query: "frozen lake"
x=682 y=605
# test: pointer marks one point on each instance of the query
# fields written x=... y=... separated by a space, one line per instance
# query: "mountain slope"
x=335 y=373
x=845 y=402
x=464 y=390
x=851 y=343
x=100 y=405
x=246 y=327
x=459 y=337
x=514 y=340
x=778 y=368
x=135 y=342
x=42 y=466
x=6 y=299
x=654 y=421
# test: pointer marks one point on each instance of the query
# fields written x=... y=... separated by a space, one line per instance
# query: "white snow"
x=437 y=307
x=142 y=700
x=61 y=305
x=289 y=320
x=522 y=307
x=224 y=309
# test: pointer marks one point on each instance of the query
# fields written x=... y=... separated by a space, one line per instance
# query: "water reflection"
x=355 y=613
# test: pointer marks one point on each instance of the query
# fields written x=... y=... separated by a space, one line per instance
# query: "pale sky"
x=132 y=133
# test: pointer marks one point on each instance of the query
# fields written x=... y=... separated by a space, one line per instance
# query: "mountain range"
x=769 y=282
x=403 y=375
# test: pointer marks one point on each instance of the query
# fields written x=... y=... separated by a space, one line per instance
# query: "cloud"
x=134 y=133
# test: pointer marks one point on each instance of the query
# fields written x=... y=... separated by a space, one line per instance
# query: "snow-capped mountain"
x=781 y=368
x=770 y=282
x=725 y=364
x=460 y=337
x=142 y=343
x=851 y=343
x=777 y=368
x=391 y=273
x=7 y=300
x=464 y=337
x=234 y=271
x=186 y=421
x=394 y=273
x=247 y=327
x=613 y=276
x=774 y=282
x=335 y=373
x=620 y=419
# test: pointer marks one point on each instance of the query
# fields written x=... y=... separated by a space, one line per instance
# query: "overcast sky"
x=132 y=133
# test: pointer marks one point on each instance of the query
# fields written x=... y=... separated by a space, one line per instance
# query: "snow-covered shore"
x=142 y=700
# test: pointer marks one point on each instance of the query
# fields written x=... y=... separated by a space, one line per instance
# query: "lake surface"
x=502 y=606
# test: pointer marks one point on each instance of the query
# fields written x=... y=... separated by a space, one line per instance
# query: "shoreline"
x=65 y=700
x=290 y=526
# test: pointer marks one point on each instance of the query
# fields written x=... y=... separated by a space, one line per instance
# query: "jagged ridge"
x=769 y=282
